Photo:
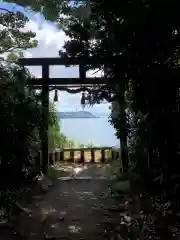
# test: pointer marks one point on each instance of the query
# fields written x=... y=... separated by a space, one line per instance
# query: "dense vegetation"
x=20 y=112
x=145 y=60
x=142 y=54
x=20 y=107
x=55 y=137
x=139 y=41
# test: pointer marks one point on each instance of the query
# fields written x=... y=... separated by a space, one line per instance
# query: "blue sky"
x=50 y=41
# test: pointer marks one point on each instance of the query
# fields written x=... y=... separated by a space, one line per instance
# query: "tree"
x=55 y=10
x=12 y=36
x=20 y=107
x=55 y=137
x=50 y=9
x=96 y=39
x=145 y=51
x=139 y=41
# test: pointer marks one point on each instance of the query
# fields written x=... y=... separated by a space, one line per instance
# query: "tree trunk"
x=123 y=130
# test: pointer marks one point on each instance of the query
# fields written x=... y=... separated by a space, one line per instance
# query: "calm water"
x=92 y=130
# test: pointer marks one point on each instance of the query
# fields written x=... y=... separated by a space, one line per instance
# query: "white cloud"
x=50 y=41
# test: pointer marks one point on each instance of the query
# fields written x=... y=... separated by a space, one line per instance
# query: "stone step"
x=80 y=178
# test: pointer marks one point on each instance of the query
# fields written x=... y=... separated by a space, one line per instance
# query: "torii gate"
x=60 y=83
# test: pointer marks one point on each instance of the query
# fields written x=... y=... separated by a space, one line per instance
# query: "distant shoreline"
x=77 y=115
x=98 y=132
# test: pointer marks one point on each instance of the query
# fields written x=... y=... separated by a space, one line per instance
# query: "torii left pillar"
x=45 y=117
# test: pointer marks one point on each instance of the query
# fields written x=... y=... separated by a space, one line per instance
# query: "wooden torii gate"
x=45 y=81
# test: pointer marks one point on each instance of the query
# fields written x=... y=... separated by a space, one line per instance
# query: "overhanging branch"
x=96 y=92
x=6 y=10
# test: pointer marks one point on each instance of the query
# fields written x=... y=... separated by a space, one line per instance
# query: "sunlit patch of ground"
x=66 y=171
x=74 y=229
x=75 y=209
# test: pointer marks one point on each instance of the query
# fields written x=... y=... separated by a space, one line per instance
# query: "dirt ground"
x=76 y=208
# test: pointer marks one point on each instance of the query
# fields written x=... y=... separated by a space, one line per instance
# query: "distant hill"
x=78 y=114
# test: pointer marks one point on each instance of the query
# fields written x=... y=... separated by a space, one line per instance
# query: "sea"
x=96 y=131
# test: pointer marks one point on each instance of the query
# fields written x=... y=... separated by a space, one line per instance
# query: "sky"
x=50 y=41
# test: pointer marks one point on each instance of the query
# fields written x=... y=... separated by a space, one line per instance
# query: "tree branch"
x=82 y=89
x=10 y=49
x=3 y=9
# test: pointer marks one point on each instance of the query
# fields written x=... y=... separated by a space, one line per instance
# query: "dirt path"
x=72 y=209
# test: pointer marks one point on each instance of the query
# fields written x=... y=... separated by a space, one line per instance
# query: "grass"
x=52 y=173
x=60 y=169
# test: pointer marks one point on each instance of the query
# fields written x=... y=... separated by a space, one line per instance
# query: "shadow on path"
x=72 y=209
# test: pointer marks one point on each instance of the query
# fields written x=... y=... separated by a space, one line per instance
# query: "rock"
x=118 y=229
x=37 y=197
x=65 y=178
x=119 y=237
x=83 y=178
x=32 y=234
x=44 y=217
x=45 y=189
x=123 y=229
x=123 y=214
x=23 y=209
x=61 y=218
x=98 y=224
x=118 y=208
x=79 y=206
x=122 y=207
x=74 y=218
x=127 y=219
x=129 y=200
x=122 y=186
x=139 y=217
x=49 y=237
x=42 y=186
x=107 y=221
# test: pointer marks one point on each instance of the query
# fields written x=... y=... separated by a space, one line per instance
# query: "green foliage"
x=139 y=41
x=12 y=37
x=55 y=10
x=52 y=173
x=20 y=118
x=20 y=107
x=56 y=138
x=89 y=145
x=50 y=9
x=100 y=38
x=20 y=111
